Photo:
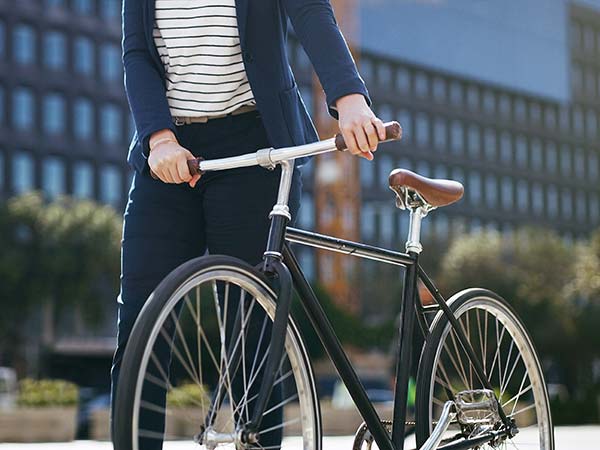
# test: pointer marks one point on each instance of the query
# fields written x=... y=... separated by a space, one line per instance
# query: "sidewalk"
x=567 y=438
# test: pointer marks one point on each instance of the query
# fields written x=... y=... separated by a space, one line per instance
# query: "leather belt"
x=201 y=119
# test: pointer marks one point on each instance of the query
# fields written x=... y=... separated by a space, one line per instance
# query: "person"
x=212 y=79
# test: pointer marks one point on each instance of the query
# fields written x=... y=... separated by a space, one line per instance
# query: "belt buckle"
x=179 y=121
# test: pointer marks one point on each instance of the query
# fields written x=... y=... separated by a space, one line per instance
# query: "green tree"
x=65 y=252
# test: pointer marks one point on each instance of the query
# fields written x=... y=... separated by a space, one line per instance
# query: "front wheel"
x=510 y=363
x=194 y=361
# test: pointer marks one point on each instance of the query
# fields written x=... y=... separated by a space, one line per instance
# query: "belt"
x=200 y=119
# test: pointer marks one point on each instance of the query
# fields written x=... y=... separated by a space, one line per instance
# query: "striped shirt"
x=198 y=43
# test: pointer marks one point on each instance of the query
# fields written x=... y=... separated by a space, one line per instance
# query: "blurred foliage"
x=189 y=394
x=554 y=288
x=45 y=393
x=64 y=252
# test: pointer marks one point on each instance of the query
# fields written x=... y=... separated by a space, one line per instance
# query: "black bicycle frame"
x=281 y=261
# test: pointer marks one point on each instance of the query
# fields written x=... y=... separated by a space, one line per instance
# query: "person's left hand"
x=359 y=126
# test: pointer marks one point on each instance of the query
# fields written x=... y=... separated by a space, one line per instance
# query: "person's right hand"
x=168 y=160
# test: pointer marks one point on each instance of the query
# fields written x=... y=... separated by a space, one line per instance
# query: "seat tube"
x=406 y=328
x=280 y=216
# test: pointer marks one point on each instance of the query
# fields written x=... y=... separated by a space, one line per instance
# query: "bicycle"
x=479 y=380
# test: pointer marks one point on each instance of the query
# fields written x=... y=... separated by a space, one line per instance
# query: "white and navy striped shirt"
x=198 y=42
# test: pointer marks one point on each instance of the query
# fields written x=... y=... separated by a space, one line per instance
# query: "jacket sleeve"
x=318 y=32
x=144 y=85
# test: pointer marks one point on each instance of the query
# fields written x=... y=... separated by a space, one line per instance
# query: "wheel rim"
x=213 y=294
x=510 y=362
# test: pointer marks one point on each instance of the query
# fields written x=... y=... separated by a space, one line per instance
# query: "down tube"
x=334 y=349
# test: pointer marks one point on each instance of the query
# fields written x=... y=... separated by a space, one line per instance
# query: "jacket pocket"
x=290 y=109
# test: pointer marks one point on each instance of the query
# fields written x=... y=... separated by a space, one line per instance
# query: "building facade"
x=64 y=119
x=525 y=158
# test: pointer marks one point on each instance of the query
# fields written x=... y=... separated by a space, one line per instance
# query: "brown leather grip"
x=193 y=165
x=393 y=132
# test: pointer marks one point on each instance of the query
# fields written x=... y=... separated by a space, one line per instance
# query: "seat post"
x=413 y=244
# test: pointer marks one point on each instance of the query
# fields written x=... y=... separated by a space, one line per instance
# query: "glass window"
x=110 y=67
x=581 y=206
x=384 y=112
x=367 y=221
x=457 y=137
x=422 y=125
x=550 y=116
x=456 y=93
x=551 y=157
x=110 y=124
x=421 y=84
x=23 y=108
x=473 y=140
x=55 y=3
x=2 y=39
x=83 y=57
x=24 y=47
x=565 y=160
x=506 y=148
x=474 y=188
x=110 y=185
x=54 y=114
x=405 y=119
x=83 y=6
x=520 y=110
x=367 y=172
x=55 y=54
x=111 y=9
x=22 y=172
x=594 y=208
x=578 y=124
x=386 y=225
x=473 y=97
x=566 y=204
x=442 y=227
x=439 y=133
x=403 y=80
x=423 y=168
x=537 y=199
x=439 y=89
x=504 y=105
x=489 y=144
x=535 y=112
x=522 y=195
x=552 y=201
x=440 y=171
x=591 y=124
x=579 y=163
x=307 y=212
x=592 y=167
x=536 y=154
x=83 y=180
x=386 y=165
x=489 y=102
x=2 y=171
x=53 y=176
x=507 y=192
x=2 y=109
x=384 y=73
x=521 y=151
x=491 y=191
x=83 y=118
x=458 y=174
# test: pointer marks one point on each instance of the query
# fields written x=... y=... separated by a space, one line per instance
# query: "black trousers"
x=168 y=224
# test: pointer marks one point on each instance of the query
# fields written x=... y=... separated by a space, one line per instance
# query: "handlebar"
x=269 y=157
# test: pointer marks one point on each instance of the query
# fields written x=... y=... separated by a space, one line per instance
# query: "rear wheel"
x=194 y=361
x=510 y=362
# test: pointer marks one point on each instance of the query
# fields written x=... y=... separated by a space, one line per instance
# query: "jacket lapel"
x=242 y=15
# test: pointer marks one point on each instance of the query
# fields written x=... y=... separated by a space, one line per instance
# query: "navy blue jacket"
x=263 y=33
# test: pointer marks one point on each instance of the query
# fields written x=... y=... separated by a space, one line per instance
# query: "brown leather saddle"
x=432 y=192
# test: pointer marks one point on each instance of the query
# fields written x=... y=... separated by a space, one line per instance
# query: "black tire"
x=161 y=302
x=436 y=383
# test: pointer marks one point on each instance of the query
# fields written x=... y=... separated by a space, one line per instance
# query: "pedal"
x=476 y=407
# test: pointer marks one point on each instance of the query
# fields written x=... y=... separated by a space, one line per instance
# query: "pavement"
x=586 y=437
